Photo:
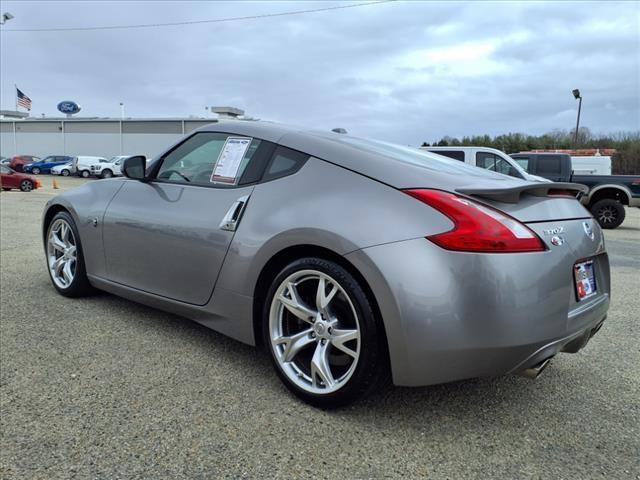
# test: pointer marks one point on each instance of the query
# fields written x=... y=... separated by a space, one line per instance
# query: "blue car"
x=46 y=164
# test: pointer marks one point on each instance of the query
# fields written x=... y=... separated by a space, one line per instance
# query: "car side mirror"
x=134 y=167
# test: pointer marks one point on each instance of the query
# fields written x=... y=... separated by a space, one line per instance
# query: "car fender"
x=614 y=186
x=87 y=205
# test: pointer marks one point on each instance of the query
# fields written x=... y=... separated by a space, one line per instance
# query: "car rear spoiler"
x=513 y=194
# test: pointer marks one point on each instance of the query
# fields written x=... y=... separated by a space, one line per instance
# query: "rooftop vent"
x=227 y=112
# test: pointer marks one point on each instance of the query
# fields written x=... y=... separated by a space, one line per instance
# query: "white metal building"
x=104 y=137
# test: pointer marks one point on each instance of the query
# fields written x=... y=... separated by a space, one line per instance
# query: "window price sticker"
x=228 y=164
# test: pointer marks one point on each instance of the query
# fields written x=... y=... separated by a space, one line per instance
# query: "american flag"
x=23 y=100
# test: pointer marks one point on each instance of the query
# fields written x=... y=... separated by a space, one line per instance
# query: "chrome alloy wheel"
x=314 y=331
x=62 y=253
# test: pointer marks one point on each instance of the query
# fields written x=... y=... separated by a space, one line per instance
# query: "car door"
x=9 y=178
x=169 y=236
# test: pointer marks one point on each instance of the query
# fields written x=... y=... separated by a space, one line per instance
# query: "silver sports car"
x=351 y=260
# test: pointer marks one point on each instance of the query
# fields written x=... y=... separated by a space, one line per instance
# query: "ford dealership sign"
x=68 y=107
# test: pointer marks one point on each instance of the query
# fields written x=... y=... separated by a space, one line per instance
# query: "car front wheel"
x=322 y=333
x=65 y=173
x=106 y=174
x=64 y=257
x=36 y=171
x=26 y=185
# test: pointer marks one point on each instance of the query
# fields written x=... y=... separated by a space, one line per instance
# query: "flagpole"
x=16 y=97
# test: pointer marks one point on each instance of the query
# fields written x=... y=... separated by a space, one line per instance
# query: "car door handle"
x=234 y=214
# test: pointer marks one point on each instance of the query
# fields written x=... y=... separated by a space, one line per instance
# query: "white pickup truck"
x=108 y=168
x=485 y=157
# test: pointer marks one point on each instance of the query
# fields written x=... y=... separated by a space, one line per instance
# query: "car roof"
x=395 y=165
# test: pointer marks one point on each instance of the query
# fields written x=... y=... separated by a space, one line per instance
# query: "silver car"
x=351 y=260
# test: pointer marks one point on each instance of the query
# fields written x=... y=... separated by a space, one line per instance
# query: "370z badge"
x=588 y=230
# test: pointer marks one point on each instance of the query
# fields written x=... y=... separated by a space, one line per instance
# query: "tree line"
x=626 y=160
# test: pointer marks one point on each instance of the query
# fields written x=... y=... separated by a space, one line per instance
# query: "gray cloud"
x=404 y=71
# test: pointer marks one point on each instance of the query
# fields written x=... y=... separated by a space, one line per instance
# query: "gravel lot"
x=105 y=388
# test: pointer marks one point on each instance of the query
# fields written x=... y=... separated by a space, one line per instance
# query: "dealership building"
x=103 y=137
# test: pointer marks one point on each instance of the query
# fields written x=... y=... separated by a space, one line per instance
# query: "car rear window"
x=548 y=164
x=415 y=156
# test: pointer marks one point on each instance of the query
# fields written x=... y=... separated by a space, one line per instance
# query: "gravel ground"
x=105 y=388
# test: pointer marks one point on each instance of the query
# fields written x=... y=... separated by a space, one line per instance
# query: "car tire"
x=64 y=257
x=35 y=171
x=106 y=174
x=65 y=173
x=308 y=354
x=608 y=213
x=85 y=173
x=26 y=185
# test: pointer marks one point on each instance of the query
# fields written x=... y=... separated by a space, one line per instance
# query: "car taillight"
x=477 y=228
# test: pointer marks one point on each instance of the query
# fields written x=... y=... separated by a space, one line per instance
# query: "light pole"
x=5 y=17
x=121 y=110
x=576 y=95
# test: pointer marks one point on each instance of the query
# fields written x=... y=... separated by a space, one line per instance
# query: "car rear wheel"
x=85 y=174
x=323 y=337
x=26 y=185
x=35 y=171
x=106 y=174
x=609 y=213
x=65 y=173
x=64 y=257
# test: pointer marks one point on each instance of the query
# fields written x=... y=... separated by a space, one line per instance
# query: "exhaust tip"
x=535 y=371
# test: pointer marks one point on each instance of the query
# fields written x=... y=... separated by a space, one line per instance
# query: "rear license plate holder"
x=584 y=275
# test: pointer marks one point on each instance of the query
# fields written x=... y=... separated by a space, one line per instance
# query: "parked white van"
x=485 y=157
x=82 y=165
x=110 y=168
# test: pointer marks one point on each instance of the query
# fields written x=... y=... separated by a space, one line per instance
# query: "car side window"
x=194 y=160
x=454 y=154
x=4 y=169
x=495 y=163
x=284 y=161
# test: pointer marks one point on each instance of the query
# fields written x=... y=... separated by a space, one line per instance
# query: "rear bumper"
x=597 y=314
x=450 y=316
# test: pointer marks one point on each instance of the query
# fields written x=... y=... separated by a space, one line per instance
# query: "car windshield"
x=414 y=156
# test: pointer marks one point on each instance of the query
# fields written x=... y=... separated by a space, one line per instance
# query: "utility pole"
x=576 y=95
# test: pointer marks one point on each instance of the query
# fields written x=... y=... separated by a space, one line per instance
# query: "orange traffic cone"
x=55 y=184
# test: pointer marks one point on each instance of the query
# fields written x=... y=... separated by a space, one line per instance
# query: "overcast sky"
x=400 y=71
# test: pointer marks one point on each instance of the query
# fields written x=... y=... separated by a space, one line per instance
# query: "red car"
x=11 y=179
x=19 y=161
